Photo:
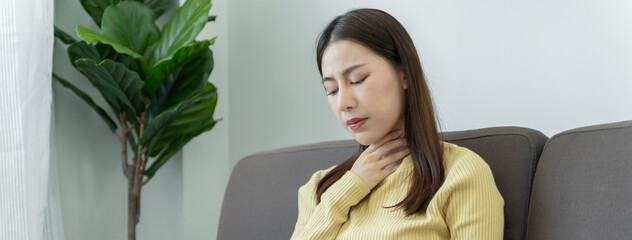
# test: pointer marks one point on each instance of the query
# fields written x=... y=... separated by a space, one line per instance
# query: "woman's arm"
x=323 y=220
x=475 y=207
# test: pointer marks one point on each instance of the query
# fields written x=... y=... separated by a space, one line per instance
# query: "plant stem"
x=134 y=175
x=123 y=139
x=133 y=208
x=143 y=168
x=141 y=149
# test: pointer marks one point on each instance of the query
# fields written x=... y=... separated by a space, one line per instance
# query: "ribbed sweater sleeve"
x=474 y=207
x=323 y=220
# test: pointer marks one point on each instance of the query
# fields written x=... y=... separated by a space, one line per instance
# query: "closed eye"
x=352 y=83
x=359 y=81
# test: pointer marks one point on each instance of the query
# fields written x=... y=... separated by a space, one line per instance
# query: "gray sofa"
x=575 y=185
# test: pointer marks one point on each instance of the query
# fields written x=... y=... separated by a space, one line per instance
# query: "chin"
x=363 y=138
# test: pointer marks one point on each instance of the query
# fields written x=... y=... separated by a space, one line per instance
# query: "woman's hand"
x=381 y=158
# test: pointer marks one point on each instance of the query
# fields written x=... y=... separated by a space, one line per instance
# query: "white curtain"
x=29 y=199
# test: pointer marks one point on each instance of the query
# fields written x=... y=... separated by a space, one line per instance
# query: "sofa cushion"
x=583 y=185
x=262 y=193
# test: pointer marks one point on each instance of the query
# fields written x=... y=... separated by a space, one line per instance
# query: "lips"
x=354 y=120
x=355 y=123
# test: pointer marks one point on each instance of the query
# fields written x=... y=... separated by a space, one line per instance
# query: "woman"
x=403 y=183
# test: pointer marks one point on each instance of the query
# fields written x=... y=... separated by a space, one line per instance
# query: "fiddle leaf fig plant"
x=154 y=81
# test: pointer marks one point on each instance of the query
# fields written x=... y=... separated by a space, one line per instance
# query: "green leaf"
x=99 y=53
x=184 y=82
x=162 y=120
x=191 y=122
x=157 y=124
x=160 y=6
x=211 y=18
x=111 y=124
x=183 y=56
x=107 y=52
x=91 y=36
x=63 y=36
x=173 y=148
x=82 y=49
x=129 y=28
x=130 y=24
x=132 y=142
x=117 y=84
x=185 y=24
x=95 y=8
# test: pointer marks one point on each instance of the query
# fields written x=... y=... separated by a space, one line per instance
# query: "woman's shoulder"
x=317 y=176
x=460 y=160
x=466 y=172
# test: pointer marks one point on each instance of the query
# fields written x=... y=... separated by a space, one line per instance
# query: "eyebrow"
x=346 y=71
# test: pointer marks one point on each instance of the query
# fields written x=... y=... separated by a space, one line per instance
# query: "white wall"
x=547 y=65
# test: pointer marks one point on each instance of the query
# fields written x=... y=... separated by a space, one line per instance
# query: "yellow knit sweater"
x=467 y=206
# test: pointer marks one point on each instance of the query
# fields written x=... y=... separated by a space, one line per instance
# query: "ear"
x=402 y=77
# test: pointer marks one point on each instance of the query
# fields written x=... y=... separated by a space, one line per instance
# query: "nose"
x=346 y=99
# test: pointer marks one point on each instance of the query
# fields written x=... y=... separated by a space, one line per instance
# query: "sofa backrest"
x=261 y=198
x=583 y=185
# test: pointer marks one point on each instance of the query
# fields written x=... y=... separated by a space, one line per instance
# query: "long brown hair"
x=385 y=36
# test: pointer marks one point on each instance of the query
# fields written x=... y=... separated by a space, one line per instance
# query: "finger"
x=389 y=147
x=388 y=171
x=393 y=158
x=392 y=166
x=395 y=150
x=387 y=137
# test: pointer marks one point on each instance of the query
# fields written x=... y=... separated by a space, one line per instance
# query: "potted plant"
x=153 y=79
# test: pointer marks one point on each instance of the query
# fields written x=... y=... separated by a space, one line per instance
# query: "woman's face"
x=364 y=91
